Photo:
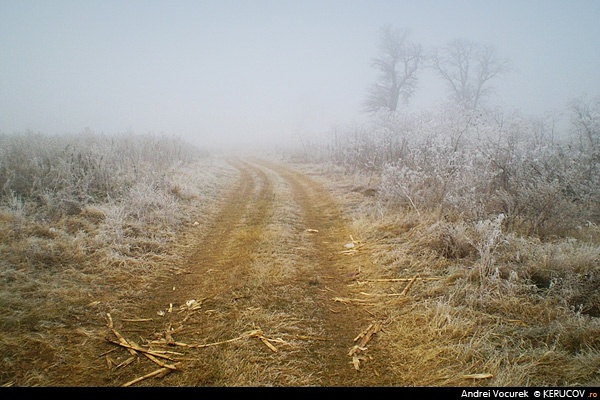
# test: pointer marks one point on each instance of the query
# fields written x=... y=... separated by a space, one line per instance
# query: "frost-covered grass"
x=520 y=310
x=87 y=224
x=60 y=174
x=479 y=165
x=503 y=213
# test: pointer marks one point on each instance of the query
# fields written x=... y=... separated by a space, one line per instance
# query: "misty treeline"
x=55 y=175
x=464 y=156
x=479 y=164
x=466 y=67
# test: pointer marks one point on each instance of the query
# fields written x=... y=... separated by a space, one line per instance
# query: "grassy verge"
x=510 y=309
x=87 y=223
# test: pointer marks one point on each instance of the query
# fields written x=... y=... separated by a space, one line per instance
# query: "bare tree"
x=468 y=68
x=397 y=65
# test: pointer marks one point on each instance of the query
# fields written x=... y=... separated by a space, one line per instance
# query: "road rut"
x=269 y=277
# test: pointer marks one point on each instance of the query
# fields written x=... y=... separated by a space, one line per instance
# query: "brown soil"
x=271 y=269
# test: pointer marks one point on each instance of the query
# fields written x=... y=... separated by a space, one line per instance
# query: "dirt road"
x=265 y=298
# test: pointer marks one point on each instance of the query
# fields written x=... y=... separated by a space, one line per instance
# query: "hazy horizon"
x=246 y=72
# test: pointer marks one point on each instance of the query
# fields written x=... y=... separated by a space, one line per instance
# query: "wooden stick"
x=259 y=334
x=158 y=362
x=365 y=336
x=152 y=357
x=269 y=345
x=346 y=300
x=478 y=376
x=363 y=333
x=108 y=352
x=122 y=340
x=356 y=362
x=409 y=284
x=157 y=352
x=140 y=349
x=383 y=294
x=138 y=320
x=398 y=279
x=127 y=362
x=134 y=348
x=199 y=346
x=373 y=329
x=159 y=372
x=109 y=321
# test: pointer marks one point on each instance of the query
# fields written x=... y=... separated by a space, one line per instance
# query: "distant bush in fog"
x=60 y=174
x=483 y=163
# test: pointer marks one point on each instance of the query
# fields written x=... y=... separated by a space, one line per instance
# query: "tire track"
x=216 y=270
x=250 y=272
x=227 y=245
x=243 y=234
x=341 y=324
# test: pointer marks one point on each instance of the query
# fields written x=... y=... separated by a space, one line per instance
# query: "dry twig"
x=364 y=337
x=398 y=279
x=135 y=347
x=382 y=294
x=347 y=300
x=409 y=284
x=159 y=373
x=478 y=376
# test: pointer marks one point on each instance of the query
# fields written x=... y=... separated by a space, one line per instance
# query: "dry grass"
x=519 y=309
x=60 y=275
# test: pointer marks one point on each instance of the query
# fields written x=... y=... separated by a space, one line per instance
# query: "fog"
x=245 y=73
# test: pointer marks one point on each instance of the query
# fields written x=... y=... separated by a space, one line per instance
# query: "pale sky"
x=246 y=72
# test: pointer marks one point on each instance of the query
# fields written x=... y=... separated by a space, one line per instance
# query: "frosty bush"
x=436 y=177
x=61 y=174
x=480 y=164
x=151 y=202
